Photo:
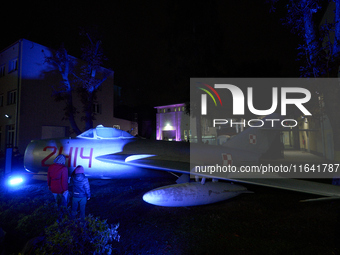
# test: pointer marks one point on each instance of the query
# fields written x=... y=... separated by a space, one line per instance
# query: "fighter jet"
x=109 y=153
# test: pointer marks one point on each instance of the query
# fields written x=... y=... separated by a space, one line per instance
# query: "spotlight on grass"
x=15 y=180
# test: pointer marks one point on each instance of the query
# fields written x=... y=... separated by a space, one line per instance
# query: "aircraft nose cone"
x=29 y=158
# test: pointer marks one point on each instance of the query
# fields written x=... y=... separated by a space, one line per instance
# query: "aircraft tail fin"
x=258 y=139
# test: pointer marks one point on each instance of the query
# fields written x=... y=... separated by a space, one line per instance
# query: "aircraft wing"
x=327 y=190
x=147 y=161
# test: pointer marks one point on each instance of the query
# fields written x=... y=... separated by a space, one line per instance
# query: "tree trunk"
x=70 y=110
x=88 y=112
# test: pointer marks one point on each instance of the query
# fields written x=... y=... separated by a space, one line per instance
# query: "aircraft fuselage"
x=39 y=155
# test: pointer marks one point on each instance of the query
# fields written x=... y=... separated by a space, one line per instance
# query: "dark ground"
x=270 y=221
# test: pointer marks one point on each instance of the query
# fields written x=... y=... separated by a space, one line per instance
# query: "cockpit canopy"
x=101 y=132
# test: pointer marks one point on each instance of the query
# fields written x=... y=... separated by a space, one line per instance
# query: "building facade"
x=28 y=110
x=172 y=123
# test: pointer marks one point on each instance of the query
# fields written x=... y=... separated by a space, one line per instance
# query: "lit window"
x=13 y=65
x=11 y=97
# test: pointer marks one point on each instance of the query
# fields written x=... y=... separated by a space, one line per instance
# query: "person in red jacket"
x=57 y=180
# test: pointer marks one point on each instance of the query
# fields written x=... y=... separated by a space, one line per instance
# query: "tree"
x=320 y=51
x=89 y=79
x=84 y=84
x=64 y=63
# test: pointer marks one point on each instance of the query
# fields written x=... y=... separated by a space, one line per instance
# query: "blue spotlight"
x=15 y=180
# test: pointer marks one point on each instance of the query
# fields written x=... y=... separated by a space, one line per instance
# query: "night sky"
x=154 y=47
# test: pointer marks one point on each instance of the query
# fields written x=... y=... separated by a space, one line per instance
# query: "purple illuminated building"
x=172 y=123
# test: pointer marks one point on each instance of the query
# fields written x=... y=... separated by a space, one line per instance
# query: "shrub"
x=93 y=236
x=33 y=224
